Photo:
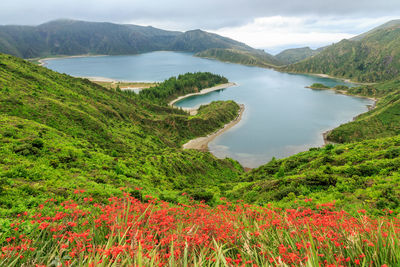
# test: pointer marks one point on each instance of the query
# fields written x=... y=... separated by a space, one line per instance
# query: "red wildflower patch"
x=129 y=232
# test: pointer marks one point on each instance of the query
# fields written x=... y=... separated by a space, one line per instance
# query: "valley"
x=207 y=153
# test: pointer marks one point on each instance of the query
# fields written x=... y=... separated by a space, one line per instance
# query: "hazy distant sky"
x=270 y=24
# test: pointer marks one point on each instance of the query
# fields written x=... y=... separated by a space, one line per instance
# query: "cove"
x=281 y=116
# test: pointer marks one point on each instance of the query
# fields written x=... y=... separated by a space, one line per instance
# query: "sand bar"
x=43 y=62
x=201 y=143
x=203 y=92
x=338 y=78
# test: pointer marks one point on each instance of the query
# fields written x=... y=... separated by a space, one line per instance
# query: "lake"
x=281 y=116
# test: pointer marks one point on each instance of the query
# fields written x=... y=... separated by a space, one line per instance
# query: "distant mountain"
x=245 y=57
x=71 y=37
x=198 y=40
x=371 y=57
x=294 y=55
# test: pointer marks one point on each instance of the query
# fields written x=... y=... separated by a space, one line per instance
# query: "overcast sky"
x=269 y=24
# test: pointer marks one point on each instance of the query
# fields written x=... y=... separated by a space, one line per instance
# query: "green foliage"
x=182 y=85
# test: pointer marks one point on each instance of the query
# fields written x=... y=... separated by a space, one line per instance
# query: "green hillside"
x=251 y=57
x=376 y=57
x=60 y=133
x=293 y=55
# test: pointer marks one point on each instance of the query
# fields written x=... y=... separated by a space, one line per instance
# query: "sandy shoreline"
x=42 y=61
x=338 y=78
x=201 y=143
x=343 y=92
x=370 y=107
x=193 y=111
x=203 y=92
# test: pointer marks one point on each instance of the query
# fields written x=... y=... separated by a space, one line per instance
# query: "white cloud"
x=285 y=31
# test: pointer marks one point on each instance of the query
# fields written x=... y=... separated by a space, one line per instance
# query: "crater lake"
x=281 y=116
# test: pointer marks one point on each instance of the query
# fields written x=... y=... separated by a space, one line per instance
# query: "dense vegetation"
x=255 y=57
x=181 y=85
x=59 y=133
x=147 y=232
x=374 y=57
x=293 y=55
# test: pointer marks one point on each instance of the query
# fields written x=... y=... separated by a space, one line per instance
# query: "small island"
x=318 y=86
x=338 y=88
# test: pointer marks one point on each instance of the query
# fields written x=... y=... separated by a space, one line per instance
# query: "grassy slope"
x=60 y=133
x=374 y=58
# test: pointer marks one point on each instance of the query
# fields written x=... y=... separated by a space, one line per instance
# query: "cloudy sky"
x=269 y=24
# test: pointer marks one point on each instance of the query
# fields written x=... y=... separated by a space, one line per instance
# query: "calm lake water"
x=281 y=116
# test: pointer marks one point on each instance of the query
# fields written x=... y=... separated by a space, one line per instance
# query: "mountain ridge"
x=65 y=37
x=374 y=58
